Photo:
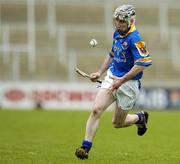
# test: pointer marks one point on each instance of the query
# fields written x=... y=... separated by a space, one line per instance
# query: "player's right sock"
x=83 y=151
x=87 y=144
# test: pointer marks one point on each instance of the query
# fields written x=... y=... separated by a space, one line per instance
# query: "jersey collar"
x=132 y=29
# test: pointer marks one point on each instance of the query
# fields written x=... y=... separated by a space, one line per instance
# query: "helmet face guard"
x=124 y=12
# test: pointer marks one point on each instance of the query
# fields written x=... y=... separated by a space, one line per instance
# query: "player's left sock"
x=142 y=123
x=140 y=116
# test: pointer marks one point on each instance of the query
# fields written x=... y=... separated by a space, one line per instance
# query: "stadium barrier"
x=73 y=96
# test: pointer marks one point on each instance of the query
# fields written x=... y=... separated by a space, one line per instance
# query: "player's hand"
x=117 y=82
x=94 y=76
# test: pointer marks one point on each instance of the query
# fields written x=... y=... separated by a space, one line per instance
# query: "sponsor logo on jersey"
x=124 y=45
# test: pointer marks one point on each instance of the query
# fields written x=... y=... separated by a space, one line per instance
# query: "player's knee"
x=117 y=124
x=96 y=111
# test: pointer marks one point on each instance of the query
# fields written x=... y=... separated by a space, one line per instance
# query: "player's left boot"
x=142 y=126
x=81 y=153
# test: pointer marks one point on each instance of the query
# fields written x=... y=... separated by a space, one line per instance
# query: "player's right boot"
x=142 y=126
x=81 y=153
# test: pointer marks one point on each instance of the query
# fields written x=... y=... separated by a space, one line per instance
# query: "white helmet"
x=125 y=12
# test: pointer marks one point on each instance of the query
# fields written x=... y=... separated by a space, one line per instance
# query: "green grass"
x=42 y=137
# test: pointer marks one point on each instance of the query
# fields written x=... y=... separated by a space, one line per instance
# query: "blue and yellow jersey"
x=127 y=51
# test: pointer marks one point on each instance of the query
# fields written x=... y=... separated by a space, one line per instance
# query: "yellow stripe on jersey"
x=148 y=59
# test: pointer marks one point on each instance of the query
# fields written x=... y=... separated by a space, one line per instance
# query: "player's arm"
x=118 y=81
x=105 y=65
x=133 y=72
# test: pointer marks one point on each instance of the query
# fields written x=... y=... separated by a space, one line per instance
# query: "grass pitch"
x=45 y=137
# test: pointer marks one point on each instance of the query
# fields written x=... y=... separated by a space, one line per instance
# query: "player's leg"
x=121 y=118
x=102 y=101
x=142 y=122
x=126 y=97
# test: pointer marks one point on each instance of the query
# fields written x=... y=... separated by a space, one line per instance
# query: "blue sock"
x=140 y=116
x=87 y=144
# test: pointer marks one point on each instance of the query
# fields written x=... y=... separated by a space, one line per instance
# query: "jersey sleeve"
x=111 y=53
x=140 y=53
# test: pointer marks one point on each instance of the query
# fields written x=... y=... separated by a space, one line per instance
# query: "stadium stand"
x=172 y=17
x=69 y=27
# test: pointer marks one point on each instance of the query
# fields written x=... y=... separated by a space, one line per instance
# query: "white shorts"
x=127 y=93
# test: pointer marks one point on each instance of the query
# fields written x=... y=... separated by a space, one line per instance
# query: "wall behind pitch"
x=74 y=96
